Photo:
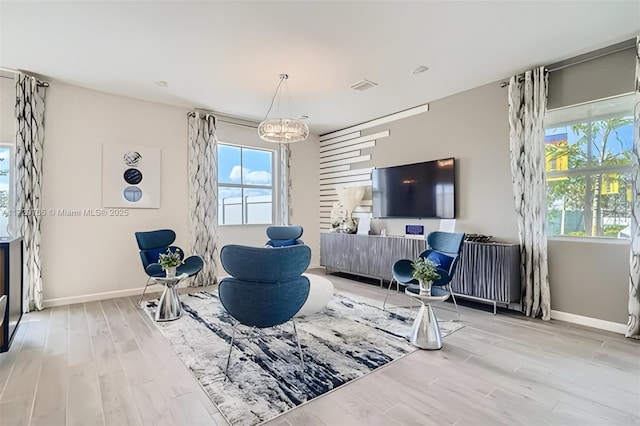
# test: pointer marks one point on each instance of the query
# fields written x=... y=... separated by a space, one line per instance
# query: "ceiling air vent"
x=363 y=85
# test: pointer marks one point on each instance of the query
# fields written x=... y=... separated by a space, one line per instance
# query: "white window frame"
x=274 y=180
x=587 y=171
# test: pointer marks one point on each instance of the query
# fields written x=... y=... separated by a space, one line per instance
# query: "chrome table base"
x=169 y=308
x=425 y=333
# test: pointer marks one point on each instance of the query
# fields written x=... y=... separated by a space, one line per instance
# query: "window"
x=588 y=162
x=245 y=185
x=6 y=195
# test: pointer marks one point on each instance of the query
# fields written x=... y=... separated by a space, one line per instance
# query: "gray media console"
x=487 y=272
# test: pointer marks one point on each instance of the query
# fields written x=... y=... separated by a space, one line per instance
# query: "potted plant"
x=169 y=261
x=424 y=271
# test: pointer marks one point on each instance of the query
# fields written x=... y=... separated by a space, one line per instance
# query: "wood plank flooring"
x=107 y=363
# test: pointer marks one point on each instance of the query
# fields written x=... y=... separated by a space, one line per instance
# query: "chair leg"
x=453 y=297
x=384 y=304
x=226 y=369
x=295 y=331
x=143 y=292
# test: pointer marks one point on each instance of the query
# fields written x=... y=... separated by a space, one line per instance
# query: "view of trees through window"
x=588 y=164
x=245 y=185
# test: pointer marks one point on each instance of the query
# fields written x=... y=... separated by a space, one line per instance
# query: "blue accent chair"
x=282 y=236
x=266 y=287
x=153 y=243
x=444 y=251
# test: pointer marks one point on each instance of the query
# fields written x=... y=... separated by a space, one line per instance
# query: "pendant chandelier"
x=282 y=130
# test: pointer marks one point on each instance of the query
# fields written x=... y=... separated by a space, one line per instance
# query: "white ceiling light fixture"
x=282 y=130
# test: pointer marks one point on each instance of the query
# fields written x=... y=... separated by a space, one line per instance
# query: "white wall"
x=92 y=257
x=87 y=255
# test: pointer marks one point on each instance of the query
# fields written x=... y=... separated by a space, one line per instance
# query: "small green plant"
x=170 y=259
x=424 y=270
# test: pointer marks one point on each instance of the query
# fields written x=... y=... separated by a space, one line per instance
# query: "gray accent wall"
x=599 y=78
x=590 y=278
x=473 y=127
x=587 y=278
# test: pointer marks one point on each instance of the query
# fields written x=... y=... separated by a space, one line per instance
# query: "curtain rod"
x=221 y=118
x=504 y=84
x=238 y=124
x=38 y=80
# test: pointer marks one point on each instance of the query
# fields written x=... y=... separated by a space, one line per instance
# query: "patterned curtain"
x=285 y=184
x=633 y=325
x=203 y=194
x=527 y=105
x=30 y=103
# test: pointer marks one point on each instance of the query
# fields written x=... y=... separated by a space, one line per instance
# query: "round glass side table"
x=169 y=307
x=425 y=333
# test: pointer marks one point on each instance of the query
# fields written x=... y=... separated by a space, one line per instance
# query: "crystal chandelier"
x=282 y=130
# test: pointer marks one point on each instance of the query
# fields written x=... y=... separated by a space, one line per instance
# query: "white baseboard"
x=589 y=322
x=50 y=303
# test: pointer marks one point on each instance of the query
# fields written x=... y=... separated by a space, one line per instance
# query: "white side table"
x=425 y=333
x=169 y=307
x=320 y=293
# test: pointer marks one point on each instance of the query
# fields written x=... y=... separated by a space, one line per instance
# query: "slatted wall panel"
x=340 y=158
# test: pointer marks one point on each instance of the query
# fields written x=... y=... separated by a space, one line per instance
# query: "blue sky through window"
x=256 y=166
x=239 y=170
x=228 y=157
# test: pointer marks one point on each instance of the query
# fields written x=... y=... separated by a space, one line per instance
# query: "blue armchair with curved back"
x=266 y=287
x=282 y=236
x=151 y=244
x=444 y=251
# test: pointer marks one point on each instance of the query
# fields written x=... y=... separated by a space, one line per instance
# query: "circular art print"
x=132 y=158
x=133 y=176
x=132 y=194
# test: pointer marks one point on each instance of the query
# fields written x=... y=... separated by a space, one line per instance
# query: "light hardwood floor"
x=107 y=363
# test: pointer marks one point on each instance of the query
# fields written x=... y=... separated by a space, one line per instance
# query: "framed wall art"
x=130 y=176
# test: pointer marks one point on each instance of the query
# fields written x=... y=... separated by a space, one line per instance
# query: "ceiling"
x=226 y=56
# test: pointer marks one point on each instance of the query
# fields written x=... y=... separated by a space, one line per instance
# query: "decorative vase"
x=350 y=225
x=170 y=271
x=425 y=288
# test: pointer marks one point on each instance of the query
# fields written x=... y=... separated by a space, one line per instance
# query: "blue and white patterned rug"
x=347 y=340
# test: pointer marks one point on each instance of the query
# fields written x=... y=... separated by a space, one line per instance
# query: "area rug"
x=347 y=340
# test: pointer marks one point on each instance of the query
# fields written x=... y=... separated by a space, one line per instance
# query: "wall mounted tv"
x=420 y=190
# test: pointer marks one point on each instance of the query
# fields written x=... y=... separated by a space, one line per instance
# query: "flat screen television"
x=420 y=190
